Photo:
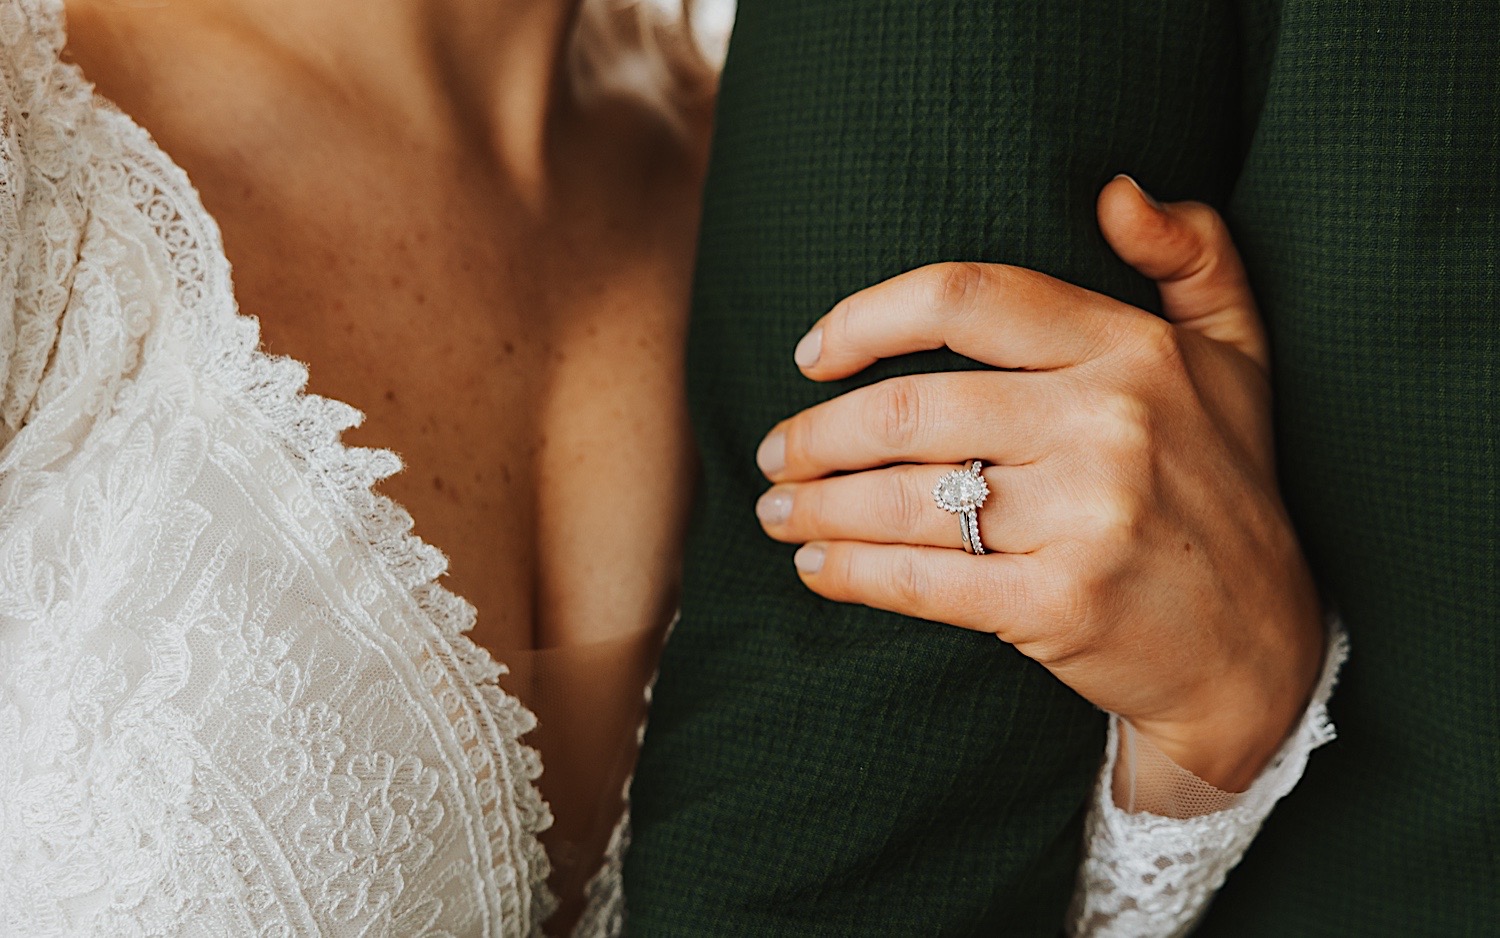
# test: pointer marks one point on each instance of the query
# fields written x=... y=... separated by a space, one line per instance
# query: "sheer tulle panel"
x=1147 y=780
x=590 y=702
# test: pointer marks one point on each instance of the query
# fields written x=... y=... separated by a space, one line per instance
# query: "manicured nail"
x=1144 y=194
x=771 y=457
x=809 y=558
x=774 y=507
x=809 y=349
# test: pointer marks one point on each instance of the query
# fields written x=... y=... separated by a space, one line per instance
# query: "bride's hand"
x=1139 y=548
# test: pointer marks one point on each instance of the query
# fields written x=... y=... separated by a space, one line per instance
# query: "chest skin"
x=523 y=359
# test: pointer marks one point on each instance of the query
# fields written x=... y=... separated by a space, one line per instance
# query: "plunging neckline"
x=145 y=144
x=310 y=426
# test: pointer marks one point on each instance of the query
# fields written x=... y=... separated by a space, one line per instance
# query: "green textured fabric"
x=822 y=769
x=1369 y=215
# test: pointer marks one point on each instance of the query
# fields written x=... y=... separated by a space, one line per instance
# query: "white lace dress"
x=234 y=699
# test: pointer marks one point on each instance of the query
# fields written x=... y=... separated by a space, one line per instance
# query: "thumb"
x=1186 y=248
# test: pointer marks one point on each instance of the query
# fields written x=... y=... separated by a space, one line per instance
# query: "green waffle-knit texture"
x=1368 y=211
x=814 y=768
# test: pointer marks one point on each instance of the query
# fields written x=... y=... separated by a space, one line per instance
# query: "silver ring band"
x=963 y=492
x=973 y=544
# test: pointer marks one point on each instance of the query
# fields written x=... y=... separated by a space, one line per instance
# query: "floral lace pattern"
x=1153 y=876
x=233 y=697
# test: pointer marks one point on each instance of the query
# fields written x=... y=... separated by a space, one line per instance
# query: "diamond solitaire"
x=963 y=492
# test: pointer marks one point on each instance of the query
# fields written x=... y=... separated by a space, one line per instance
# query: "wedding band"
x=962 y=492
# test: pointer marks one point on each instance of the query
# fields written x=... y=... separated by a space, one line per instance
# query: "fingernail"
x=771 y=457
x=809 y=558
x=774 y=507
x=809 y=349
x=1144 y=194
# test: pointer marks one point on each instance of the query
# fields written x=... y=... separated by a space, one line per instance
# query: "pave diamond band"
x=962 y=492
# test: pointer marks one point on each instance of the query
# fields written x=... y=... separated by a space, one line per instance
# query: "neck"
x=490 y=72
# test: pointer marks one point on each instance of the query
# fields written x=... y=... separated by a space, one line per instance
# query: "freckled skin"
x=524 y=360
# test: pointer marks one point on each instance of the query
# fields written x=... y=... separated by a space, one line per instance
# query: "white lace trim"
x=604 y=897
x=1150 y=875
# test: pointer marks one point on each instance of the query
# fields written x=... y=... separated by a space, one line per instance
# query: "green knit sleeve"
x=821 y=769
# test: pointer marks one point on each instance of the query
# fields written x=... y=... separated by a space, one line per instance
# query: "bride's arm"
x=1139 y=548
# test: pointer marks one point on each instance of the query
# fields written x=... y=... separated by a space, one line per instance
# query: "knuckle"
x=838 y=325
x=906 y=580
x=899 y=507
x=1131 y=513
x=1119 y=521
x=1206 y=222
x=1218 y=241
x=1127 y=427
x=955 y=286
x=1154 y=346
x=898 y=412
x=840 y=571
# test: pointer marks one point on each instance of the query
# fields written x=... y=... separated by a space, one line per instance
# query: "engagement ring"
x=962 y=492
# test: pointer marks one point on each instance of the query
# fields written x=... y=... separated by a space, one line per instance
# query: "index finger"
x=1004 y=316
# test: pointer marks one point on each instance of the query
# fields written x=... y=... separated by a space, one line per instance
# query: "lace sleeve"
x=1145 y=874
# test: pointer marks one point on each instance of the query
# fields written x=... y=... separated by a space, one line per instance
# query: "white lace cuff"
x=1150 y=875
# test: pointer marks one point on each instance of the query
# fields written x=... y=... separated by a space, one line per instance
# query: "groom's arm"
x=813 y=768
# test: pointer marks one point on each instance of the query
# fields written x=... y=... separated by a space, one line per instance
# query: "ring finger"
x=895 y=506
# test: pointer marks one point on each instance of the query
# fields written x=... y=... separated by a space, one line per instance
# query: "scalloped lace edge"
x=310 y=426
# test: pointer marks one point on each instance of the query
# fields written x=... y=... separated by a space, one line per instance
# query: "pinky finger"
x=989 y=593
